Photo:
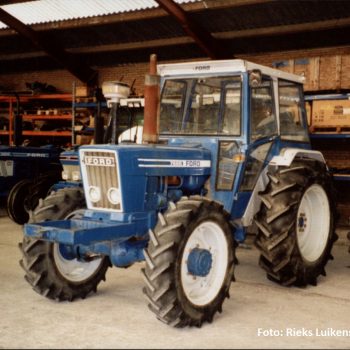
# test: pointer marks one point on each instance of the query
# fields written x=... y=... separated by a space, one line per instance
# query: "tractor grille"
x=100 y=173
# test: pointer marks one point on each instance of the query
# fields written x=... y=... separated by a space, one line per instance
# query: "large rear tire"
x=24 y=196
x=16 y=201
x=47 y=268
x=181 y=293
x=296 y=223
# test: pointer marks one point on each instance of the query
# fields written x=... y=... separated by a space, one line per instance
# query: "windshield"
x=201 y=106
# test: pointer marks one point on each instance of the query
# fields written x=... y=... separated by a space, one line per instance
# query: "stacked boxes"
x=330 y=115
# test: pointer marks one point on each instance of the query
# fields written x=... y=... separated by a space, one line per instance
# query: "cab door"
x=262 y=131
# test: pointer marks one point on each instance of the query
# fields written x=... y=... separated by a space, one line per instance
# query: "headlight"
x=76 y=175
x=94 y=194
x=71 y=173
x=113 y=195
x=65 y=175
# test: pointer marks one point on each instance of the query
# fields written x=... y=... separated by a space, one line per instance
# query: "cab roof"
x=222 y=67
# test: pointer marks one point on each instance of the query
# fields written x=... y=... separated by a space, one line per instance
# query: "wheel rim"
x=207 y=237
x=72 y=269
x=313 y=223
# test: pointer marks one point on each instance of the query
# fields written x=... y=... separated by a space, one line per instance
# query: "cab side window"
x=292 y=112
x=262 y=111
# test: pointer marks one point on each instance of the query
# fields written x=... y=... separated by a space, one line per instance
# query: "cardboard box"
x=83 y=139
x=83 y=91
x=331 y=113
x=322 y=73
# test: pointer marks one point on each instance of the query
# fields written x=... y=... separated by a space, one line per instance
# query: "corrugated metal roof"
x=44 y=11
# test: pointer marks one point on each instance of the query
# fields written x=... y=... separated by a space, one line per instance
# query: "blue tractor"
x=26 y=172
x=233 y=156
x=127 y=123
x=26 y=175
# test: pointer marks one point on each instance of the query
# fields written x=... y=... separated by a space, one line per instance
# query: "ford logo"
x=99 y=161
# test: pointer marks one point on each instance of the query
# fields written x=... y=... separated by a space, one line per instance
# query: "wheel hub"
x=199 y=262
x=302 y=222
x=67 y=251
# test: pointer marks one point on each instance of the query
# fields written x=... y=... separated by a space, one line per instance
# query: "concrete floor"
x=259 y=314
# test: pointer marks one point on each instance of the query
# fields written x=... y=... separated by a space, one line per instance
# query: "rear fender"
x=287 y=155
x=285 y=158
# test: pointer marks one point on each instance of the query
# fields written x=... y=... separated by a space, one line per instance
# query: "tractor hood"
x=151 y=160
x=132 y=178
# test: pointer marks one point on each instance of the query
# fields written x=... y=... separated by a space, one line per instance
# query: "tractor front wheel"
x=51 y=268
x=189 y=263
x=296 y=223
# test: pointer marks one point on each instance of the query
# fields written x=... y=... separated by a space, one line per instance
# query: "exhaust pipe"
x=151 y=111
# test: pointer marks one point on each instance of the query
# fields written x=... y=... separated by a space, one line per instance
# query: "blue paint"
x=93 y=227
x=280 y=64
x=128 y=252
x=65 y=184
x=301 y=61
x=327 y=97
x=27 y=163
x=67 y=251
x=301 y=222
x=70 y=157
x=240 y=234
x=199 y=262
x=121 y=252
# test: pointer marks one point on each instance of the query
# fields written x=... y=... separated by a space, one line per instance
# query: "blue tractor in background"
x=26 y=172
x=125 y=126
x=29 y=173
x=26 y=175
x=233 y=156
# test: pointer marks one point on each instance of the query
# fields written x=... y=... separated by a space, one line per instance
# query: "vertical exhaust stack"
x=151 y=111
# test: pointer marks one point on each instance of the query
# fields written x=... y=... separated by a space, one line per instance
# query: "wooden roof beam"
x=200 y=35
x=11 y=2
x=69 y=61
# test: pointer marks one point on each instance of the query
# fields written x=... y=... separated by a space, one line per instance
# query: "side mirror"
x=255 y=78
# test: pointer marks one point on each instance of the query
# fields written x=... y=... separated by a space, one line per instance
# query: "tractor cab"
x=231 y=99
x=242 y=112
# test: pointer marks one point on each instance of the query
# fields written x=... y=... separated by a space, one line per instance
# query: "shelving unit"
x=335 y=147
x=126 y=119
x=332 y=143
x=81 y=111
x=35 y=109
x=329 y=136
x=129 y=114
x=318 y=97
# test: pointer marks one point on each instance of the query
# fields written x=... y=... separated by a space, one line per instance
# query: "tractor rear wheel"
x=16 y=201
x=296 y=223
x=189 y=263
x=24 y=196
x=48 y=266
